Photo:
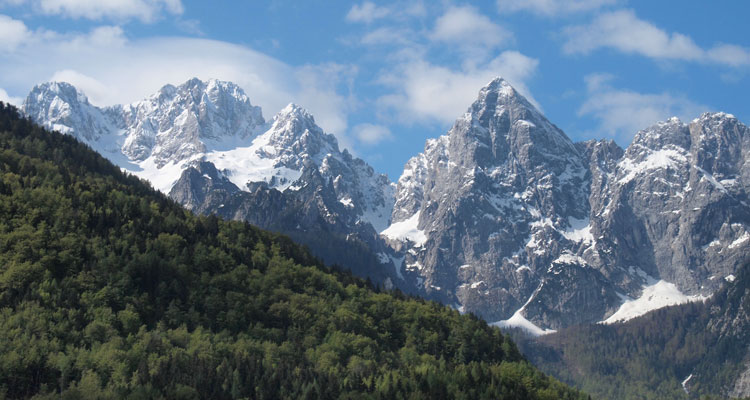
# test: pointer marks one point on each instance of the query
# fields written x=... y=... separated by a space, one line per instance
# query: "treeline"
x=110 y=290
x=651 y=356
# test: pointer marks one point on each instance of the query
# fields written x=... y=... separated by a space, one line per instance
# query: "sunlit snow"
x=519 y=321
x=656 y=160
x=406 y=230
x=579 y=231
x=656 y=295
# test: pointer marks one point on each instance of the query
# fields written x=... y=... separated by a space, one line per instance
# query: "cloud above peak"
x=475 y=34
x=622 y=112
x=112 y=69
x=13 y=33
x=425 y=92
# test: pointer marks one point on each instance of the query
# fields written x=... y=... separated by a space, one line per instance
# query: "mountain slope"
x=111 y=290
x=294 y=179
x=677 y=205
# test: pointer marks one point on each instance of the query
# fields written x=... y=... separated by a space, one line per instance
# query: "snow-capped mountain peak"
x=295 y=135
x=179 y=122
x=60 y=106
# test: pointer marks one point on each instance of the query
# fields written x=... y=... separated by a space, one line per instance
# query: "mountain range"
x=503 y=216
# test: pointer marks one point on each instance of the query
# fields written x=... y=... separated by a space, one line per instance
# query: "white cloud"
x=624 y=31
x=143 y=10
x=319 y=92
x=388 y=36
x=473 y=32
x=5 y=98
x=88 y=85
x=421 y=90
x=729 y=54
x=428 y=92
x=622 y=113
x=371 y=134
x=13 y=33
x=552 y=8
x=111 y=69
x=366 y=12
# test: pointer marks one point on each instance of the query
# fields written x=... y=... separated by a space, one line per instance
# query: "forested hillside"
x=695 y=350
x=110 y=290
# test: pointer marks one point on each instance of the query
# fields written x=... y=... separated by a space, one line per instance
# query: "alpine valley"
x=503 y=216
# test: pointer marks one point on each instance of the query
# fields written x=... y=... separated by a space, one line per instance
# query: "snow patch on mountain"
x=579 y=231
x=519 y=321
x=406 y=230
x=654 y=296
x=666 y=158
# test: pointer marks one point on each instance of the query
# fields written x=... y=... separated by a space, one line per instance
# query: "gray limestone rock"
x=516 y=218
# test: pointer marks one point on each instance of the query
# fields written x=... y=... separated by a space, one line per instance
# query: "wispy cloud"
x=366 y=12
x=552 y=8
x=143 y=10
x=371 y=134
x=389 y=36
x=435 y=72
x=621 y=112
x=112 y=69
x=623 y=31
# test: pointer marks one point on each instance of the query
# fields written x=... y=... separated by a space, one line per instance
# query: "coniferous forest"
x=652 y=357
x=108 y=289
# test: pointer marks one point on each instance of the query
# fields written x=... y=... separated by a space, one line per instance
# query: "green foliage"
x=110 y=290
x=650 y=356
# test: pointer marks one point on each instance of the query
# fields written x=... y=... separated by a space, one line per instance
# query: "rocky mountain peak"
x=60 y=106
x=497 y=92
x=294 y=133
x=722 y=144
x=179 y=122
x=503 y=126
x=499 y=98
x=669 y=133
x=294 y=118
x=63 y=90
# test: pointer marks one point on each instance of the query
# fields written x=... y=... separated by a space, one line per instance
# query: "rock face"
x=312 y=191
x=506 y=217
x=503 y=216
x=677 y=205
x=500 y=202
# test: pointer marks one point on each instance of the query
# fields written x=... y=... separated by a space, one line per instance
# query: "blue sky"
x=385 y=76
